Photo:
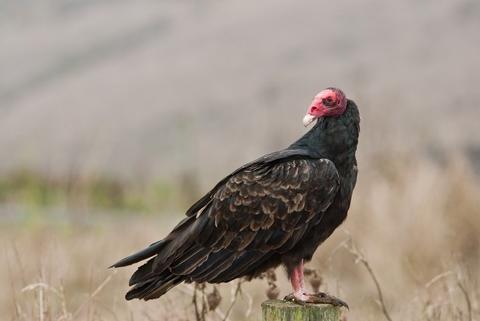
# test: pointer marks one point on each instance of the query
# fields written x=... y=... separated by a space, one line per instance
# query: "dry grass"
x=79 y=109
x=413 y=228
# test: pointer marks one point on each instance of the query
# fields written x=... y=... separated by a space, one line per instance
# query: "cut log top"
x=277 y=310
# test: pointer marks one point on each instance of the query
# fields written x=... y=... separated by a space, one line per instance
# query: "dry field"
x=115 y=115
x=415 y=224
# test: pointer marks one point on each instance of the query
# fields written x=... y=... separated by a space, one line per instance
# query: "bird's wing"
x=269 y=159
x=265 y=206
x=258 y=211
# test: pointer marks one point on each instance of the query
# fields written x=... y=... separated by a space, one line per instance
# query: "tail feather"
x=142 y=273
x=150 y=251
x=154 y=287
x=182 y=256
x=180 y=241
x=164 y=287
x=188 y=263
x=210 y=274
x=243 y=265
x=213 y=261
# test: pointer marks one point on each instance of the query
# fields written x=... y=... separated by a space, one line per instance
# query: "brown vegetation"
x=413 y=228
x=114 y=110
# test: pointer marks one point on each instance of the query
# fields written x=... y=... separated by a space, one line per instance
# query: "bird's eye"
x=328 y=101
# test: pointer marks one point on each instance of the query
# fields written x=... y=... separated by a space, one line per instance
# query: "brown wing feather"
x=254 y=204
x=257 y=213
x=265 y=211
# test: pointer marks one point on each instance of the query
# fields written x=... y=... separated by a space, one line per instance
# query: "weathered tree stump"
x=277 y=310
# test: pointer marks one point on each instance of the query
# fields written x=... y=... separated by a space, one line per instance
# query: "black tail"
x=154 y=278
x=182 y=257
x=150 y=251
x=154 y=287
x=177 y=237
x=150 y=283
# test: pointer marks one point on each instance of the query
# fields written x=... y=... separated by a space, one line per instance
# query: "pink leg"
x=300 y=296
x=298 y=284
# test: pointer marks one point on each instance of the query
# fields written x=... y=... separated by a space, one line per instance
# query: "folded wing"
x=240 y=227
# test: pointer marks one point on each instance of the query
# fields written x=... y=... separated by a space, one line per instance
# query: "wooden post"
x=277 y=310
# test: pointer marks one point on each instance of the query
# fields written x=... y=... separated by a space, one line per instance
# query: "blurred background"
x=116 y=115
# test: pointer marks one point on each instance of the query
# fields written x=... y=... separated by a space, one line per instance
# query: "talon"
x=317 y=298
x=300 y=297
x=292 y=298
x=329 y=299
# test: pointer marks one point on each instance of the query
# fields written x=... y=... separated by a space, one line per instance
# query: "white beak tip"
x=308 y=119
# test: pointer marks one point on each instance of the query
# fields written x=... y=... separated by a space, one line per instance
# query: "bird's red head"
x=328 y=102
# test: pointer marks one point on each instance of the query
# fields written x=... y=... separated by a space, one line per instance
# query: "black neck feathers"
x=334 y=138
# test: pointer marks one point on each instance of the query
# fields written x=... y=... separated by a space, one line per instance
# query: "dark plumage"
x=275 y=210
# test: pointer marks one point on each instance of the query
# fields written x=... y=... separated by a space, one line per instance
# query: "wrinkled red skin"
x=328 y=102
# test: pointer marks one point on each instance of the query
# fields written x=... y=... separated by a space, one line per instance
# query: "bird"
x=275 y=210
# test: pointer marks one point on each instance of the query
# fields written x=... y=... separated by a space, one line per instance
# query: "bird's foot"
x=315 y=298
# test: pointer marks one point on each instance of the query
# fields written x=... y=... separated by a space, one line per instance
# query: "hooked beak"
x=308 y=119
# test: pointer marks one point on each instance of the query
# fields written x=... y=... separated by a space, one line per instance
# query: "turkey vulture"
x=275 y=210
